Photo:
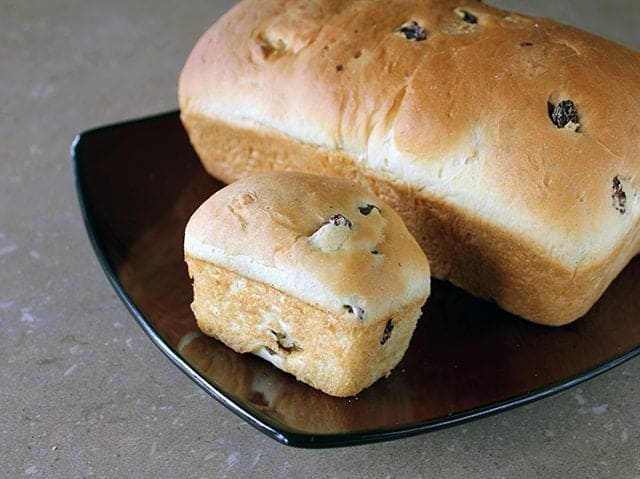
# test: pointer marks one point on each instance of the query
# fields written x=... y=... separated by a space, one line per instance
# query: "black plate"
x=138 y=182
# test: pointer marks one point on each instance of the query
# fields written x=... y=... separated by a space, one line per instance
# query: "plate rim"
x=280 y=433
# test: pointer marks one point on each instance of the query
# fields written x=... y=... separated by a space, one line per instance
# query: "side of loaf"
x=509 y=145
x=314 y=274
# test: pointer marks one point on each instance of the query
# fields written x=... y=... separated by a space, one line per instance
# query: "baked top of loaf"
x=323 y=240
x=517 y=121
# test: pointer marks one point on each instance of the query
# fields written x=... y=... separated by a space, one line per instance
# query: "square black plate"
x=138 y=183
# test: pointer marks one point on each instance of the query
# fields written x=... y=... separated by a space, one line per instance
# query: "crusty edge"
x=476 y=255
x=321 y=349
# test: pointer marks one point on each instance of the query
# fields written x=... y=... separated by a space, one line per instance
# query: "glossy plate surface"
x=138 y=183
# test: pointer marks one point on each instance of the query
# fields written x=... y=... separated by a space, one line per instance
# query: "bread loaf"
x=509 y=145
x=312 y=273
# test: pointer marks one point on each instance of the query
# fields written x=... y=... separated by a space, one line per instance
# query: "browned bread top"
x=322 y=240
x=518 y=121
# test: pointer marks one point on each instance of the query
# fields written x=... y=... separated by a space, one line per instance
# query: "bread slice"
x=313 y=274
x=509 y=145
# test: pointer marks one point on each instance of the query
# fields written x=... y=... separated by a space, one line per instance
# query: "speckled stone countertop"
x=83 y=392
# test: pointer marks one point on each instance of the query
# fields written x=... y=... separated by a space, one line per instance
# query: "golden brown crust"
x=478 y=92
x=457 y=124
x=321 y=349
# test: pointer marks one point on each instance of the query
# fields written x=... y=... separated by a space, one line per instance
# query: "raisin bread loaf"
x=509 y=145
x=312 y=273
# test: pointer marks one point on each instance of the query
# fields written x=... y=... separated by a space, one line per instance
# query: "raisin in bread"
x=509 y=145
x=314 y=274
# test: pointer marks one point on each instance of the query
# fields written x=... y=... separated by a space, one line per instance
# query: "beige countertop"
x=83 y=392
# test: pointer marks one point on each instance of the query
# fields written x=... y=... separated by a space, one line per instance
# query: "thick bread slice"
x=312 y=273
x=510 y=145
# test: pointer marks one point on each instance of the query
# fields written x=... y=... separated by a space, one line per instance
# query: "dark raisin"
x=386 y=334
x=526 y=44
x=563 y=114
x=375 y=251
x=618 y=197
x=413 y=31
x=288 y=346
x=466 y=15
x=354 y=310
x=366 y=210
x=339 y=68
x=340 y=220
